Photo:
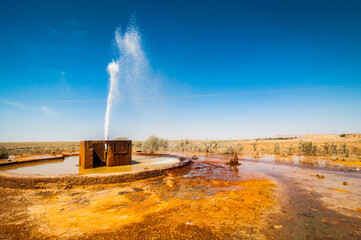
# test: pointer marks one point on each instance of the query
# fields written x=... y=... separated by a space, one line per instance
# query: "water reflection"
x=69 y=165
x=310 y=161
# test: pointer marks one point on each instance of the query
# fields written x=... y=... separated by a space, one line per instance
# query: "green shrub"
x=154 y=143
x=209 y=147
x=254 y=146
x=184 y=146
x=227 y=149
x=333 y=149
x=138 y=146
x=290 y=150
x=307 y=148
x=326 y=148
x=277 y=148
x=238 y=148
x=4 y=154
x=344 y=151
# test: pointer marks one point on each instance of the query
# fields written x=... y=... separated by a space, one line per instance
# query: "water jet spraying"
x=113 y=70
x=130 y=71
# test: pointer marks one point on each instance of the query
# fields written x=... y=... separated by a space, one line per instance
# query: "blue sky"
x=59 y=50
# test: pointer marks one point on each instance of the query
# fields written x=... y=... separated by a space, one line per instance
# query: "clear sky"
x=59 y=50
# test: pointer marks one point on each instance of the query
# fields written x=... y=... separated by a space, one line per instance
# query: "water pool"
x=69 y=165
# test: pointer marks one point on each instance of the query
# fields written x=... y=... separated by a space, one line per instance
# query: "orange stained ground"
x=204 y=200
x=215 y=206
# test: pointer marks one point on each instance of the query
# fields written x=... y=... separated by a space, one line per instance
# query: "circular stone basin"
x=69 y=165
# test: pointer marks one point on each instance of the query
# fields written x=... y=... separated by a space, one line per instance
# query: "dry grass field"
x=337 y=147
x=31 y=148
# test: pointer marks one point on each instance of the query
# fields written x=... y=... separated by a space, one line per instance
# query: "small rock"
x=233 y=161
x=277 y=226
x=345 y=183
x=137 y=189
x=320 y=176
x=307 y=214
x=123 y=192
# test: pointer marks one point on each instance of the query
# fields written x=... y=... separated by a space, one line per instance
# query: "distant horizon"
x=231 y=139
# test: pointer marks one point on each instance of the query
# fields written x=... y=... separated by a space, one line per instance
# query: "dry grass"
x=344 y=147
x=30 y=148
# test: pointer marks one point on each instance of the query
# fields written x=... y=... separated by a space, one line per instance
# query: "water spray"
x=113 y=70
x=131 y=71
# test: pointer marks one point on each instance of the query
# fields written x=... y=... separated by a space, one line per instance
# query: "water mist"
x=129 y=73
